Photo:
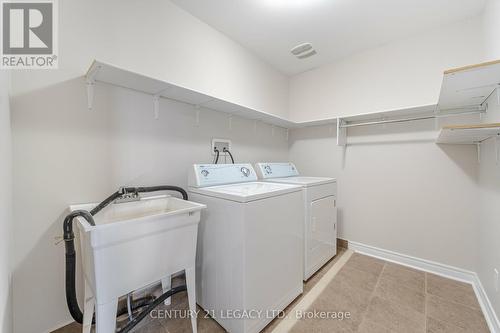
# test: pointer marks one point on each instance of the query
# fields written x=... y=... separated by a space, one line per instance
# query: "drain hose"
x=69 y=242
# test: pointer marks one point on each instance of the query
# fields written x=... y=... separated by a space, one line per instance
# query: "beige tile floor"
x=385 y=297
x=378 y=295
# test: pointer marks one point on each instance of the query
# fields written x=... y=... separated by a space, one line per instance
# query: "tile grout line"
x=288 y=322
x=458 y=303
x=478 y=308
x=405 y=287
x=372 y=295
x=319 y=274
x=443 y=321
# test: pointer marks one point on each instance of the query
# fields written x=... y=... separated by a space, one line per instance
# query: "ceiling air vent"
x=303 y=51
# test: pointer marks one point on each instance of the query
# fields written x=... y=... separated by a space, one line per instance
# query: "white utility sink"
x=132 y=245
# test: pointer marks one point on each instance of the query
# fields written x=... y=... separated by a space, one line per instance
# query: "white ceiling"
x=336 y=28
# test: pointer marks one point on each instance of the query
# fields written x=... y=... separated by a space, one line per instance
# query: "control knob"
x=245 y=171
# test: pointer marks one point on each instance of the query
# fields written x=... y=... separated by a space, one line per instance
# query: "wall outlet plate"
x=220 y=144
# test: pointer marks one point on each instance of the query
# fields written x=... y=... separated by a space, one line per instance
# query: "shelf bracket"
x=156 y=105
x=341 y=132
x=156 y=102
x=90 y=83
x=272 y=130
x=497 y=145
x=197 y=107
x=287 y=134
x=498 y=95
x=90 y=94
x=230 y=121
x=478 y=145
x=436 y=119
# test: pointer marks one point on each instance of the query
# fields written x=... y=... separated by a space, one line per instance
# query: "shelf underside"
x=464 y=88
x=102 y=72
x=470 y=85
x=468 y=134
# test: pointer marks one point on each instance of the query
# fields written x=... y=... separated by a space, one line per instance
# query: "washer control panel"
x=276 y=170
x=203 y=175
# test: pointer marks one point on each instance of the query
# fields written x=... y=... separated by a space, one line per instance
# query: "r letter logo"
x=29 y=34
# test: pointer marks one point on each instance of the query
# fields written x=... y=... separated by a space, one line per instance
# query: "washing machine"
x=320 y=212
x=249 y=252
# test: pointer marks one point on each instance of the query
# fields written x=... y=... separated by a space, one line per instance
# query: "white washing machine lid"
x=246 y=192
x=303 y=181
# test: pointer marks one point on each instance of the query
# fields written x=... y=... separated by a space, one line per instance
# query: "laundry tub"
x=132 y=245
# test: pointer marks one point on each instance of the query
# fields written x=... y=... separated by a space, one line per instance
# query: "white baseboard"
x=484 y=301
x=438 y=269
x=421 y=264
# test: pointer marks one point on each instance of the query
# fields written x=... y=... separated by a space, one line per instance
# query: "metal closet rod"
x=376 y=122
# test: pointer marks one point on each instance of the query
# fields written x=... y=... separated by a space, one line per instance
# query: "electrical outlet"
x=495 y=271
x=220 y=144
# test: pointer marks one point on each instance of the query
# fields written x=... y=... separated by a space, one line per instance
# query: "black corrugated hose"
x=225 y=150
x=69 y=237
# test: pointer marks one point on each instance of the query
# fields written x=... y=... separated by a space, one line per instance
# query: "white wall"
x=5 y=206
x=397 y=189
x=489 y=173
x=157 y=38
x=489 y=210
x=65 y=154
x=491 y=26
x=398 y=75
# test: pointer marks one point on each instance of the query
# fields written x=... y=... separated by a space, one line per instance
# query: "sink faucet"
x=126 y=195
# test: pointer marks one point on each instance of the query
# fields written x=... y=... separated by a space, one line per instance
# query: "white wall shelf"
x=464 y=90
x=398 y=116
x=109 y=74
x=468 y=134
x=471 y=135
x=469 y=86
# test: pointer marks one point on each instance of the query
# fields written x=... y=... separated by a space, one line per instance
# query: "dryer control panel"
x=276 y=170
x=202 y=175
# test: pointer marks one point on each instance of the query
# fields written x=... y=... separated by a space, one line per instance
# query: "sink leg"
x=166 y=284
x=88 y=310
x=106 y=317
x=190 y=282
